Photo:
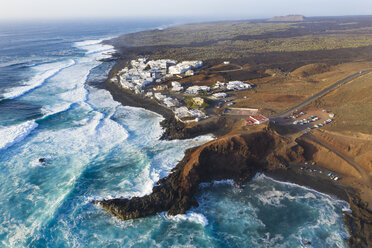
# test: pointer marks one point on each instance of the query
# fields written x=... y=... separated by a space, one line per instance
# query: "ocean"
x=95 y=148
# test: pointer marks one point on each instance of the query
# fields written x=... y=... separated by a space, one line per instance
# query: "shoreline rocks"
x=238 y=157
x=174 y=193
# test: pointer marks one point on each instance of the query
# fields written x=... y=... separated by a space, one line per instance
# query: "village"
x=157 y=80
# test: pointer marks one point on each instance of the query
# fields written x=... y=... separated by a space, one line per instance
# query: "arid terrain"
x=287 y=62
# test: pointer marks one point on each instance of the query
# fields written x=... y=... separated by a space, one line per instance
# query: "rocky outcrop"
x=359 y=223
x=174 y=129
x=238 y=157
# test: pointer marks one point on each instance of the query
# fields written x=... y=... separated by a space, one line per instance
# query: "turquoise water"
x=96 y=148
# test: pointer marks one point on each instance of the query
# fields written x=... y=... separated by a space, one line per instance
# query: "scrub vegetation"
x=331 y=40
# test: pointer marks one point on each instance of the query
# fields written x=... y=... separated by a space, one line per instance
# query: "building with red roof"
x=256 y=119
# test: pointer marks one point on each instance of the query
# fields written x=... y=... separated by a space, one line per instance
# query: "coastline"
x=292 y=175
x=176 y=130
x=173 y=129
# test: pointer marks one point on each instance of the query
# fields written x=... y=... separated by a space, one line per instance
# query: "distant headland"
x=288 y=18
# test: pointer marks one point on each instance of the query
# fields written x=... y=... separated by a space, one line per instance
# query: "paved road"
x=321 y=93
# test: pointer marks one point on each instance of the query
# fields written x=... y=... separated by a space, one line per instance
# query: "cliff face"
x=233 y=156
x=238 y=157
x=359 y=223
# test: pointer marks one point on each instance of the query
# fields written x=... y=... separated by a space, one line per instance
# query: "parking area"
x=310 y=119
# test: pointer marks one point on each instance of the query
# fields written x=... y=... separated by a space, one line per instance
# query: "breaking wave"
x=13 y=134
x=43 y=75
x=189 y=216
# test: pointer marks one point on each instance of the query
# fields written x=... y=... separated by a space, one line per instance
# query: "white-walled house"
x=171 y=102
x=238 y=85
x=184 y=66
x=184 y=112
x=159 y=96
x=219 y=95
x=193 y=90
x=176 y=86
x=219 y=85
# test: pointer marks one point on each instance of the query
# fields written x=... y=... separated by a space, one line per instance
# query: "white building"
x=238 y=85
x=219 y=85
x=219 y=95
x=171 y=102
x=159 y=96
x=176 y=86
x=184 y=66
x=161 y=63
x=193 y=90
x=184 y=112
x=149 y=94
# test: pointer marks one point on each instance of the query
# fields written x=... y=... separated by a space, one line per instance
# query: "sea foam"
x=13 y=134
x=189 y=216
x=38 y=79
x=93 y=46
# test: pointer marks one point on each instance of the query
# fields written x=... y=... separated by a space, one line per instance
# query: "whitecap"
x=42 y=75
x=14 y=134
x=189 y=216
x=94 y=46
x=327 y=197
x=226 y=181
x=58 y=108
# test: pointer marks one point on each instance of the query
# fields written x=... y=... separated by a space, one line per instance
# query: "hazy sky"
x=210 y=9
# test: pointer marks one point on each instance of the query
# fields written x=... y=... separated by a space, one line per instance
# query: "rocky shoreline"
x=230 y=156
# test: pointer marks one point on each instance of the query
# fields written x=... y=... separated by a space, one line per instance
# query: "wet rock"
x=359 y=223
x=237 y=157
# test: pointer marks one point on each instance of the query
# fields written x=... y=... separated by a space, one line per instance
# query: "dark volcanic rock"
x=359 y=223
x=237 y=157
